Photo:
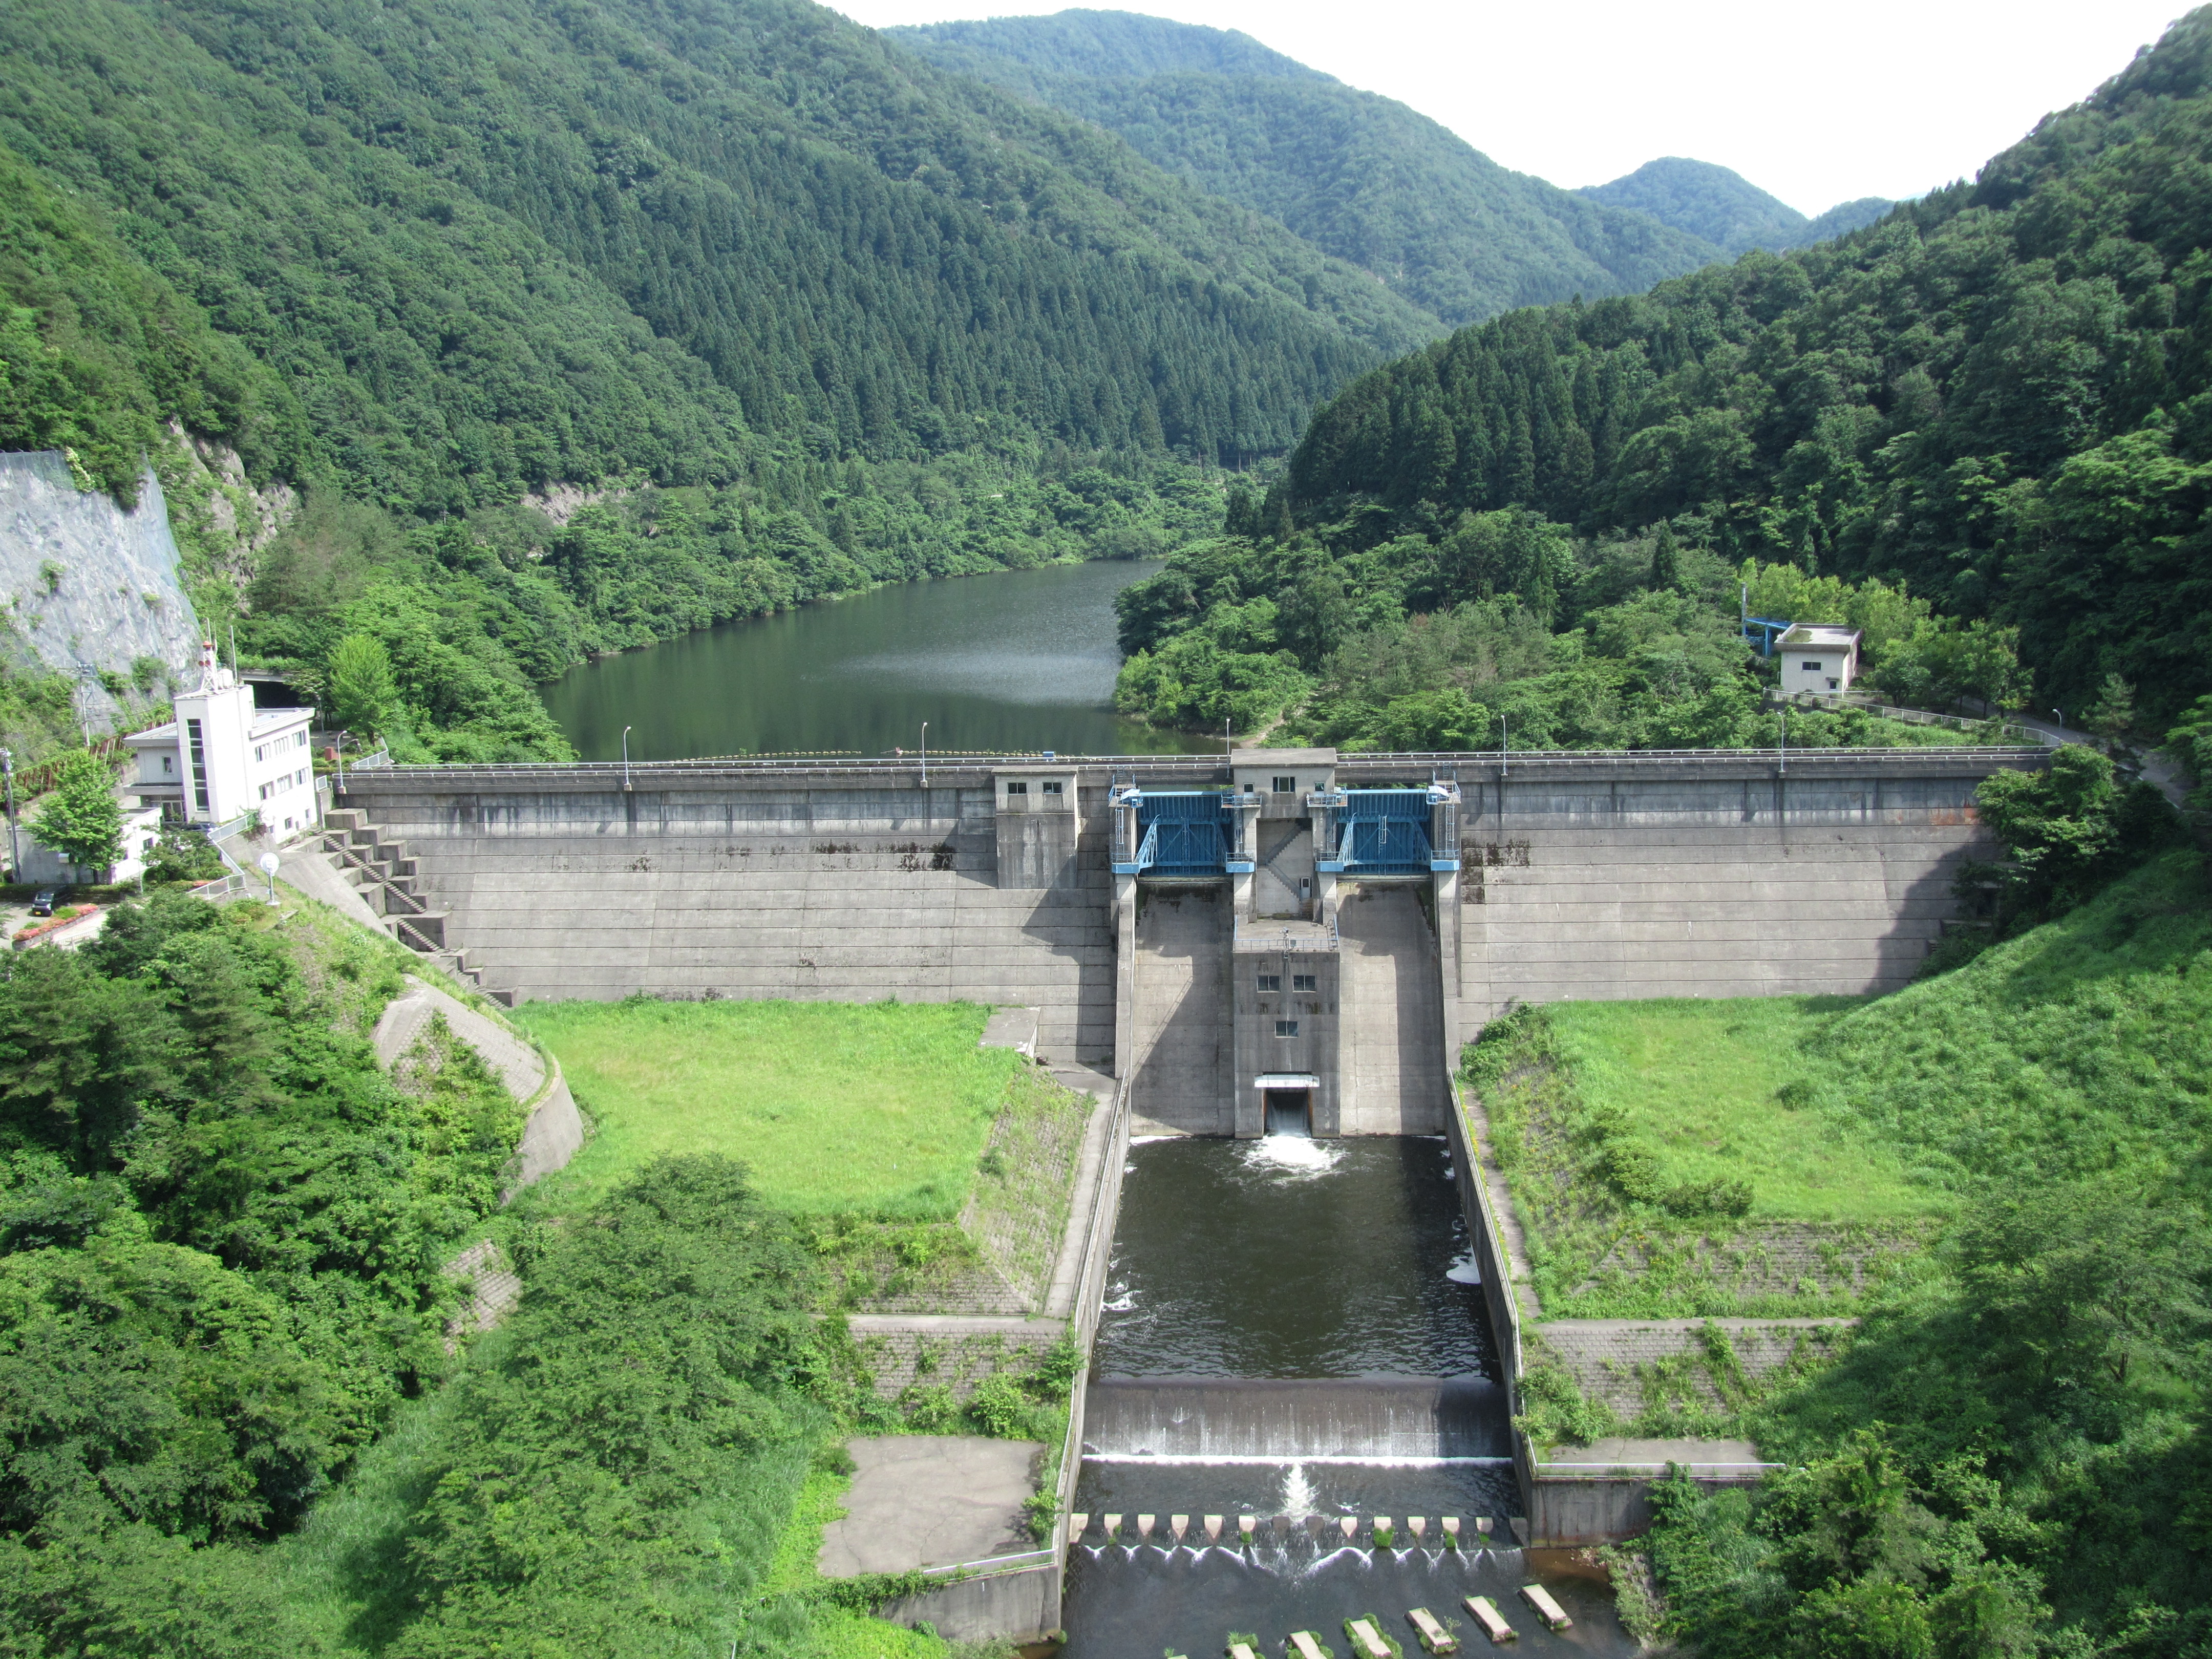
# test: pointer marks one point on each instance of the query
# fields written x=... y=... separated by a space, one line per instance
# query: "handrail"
x=1265 y=938
x=422 y=941
x=398 y=776
x=1089 y=1294
x=332 y=842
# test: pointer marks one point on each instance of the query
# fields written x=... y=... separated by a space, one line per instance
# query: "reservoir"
x=1015 y=662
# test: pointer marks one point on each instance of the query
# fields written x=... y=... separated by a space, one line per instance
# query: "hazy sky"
x=1818 y=104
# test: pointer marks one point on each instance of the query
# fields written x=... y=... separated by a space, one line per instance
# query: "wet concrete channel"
x=1294 y=1334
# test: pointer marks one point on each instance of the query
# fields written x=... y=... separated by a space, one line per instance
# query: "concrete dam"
x=1288 y=932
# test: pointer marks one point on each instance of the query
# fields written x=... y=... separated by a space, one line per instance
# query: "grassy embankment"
x=1771 y=1157
x=2012 y=1452
x=879 y=1122
x=921 y=1168
x=917 y=1159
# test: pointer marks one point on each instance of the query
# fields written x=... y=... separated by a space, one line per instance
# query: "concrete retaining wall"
x=757 y=888
x=1624 y=876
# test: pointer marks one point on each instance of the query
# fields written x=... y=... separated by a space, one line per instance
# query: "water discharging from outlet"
x=1293 y=1330
x=1288 y=1257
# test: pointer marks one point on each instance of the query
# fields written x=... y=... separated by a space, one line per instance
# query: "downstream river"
x=1015 y=662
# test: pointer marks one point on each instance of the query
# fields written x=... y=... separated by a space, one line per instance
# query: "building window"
x=1017 y=789
x=1810 y=667
x=1286 y=786
x=300 y=741
x=195 y=751
x=1832 y=686
x=1051 y=786
x=267 y=789
x=1286 y=1028
x=1302 y=982
x=1271 y=981
x=168 y=765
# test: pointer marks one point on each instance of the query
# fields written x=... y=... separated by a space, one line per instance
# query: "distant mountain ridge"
x=1361 y=176
x=1112 y=43
x=1364 y=178
x=1721 y=206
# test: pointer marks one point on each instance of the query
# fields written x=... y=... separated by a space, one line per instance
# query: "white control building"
x=222 y=758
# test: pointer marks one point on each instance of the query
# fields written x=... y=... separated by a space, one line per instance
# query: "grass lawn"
x=878 y=1107
x=1783 y=1155
x=1697 y=1081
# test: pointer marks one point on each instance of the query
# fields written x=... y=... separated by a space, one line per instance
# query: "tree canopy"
x=1998 y=394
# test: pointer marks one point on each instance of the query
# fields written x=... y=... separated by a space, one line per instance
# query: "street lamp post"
x=14 y=851
x=1505 y=745
x=924 y=754
x=625 y=760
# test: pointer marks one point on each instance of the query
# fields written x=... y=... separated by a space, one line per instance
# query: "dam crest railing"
x=602 y=772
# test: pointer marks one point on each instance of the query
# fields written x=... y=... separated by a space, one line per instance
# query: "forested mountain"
x=459 y=229
x=880 y=320
x=1999 y=395
x=1117 y=44
x=1360 y=176
x=1722 y=207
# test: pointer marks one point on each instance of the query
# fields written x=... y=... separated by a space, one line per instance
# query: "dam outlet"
x=1295 y=1414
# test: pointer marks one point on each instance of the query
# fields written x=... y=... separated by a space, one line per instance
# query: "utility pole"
x=14 y=851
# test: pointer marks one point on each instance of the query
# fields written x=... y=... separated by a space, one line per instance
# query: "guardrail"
x=1313 y=937
x=1043 y=1556
x=613 y=772
x=2006 y=729
x=1090 y=1301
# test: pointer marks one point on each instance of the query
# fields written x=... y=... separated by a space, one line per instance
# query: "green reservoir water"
x=1015 y=662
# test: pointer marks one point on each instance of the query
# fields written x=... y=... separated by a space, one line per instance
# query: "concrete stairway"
x=1392 y=1018
x=389 y=883
x=1183 y=1071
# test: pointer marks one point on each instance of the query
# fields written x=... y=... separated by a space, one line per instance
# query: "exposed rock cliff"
x=84 y=583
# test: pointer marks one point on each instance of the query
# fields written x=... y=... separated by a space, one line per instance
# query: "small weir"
x=1295 y=1416
x=1278 y=1421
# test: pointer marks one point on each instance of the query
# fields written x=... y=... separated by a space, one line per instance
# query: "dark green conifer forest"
x=1999 y=395
x=881 y=321
x=1360 y=176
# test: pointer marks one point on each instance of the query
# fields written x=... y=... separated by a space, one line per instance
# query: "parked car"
x=42 y=903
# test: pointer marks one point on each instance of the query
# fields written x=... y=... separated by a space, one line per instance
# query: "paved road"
x=2157 y=766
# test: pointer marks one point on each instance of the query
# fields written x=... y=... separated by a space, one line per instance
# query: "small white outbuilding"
x=1820 y=659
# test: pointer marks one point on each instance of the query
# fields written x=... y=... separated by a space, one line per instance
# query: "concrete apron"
x=962 y=1499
